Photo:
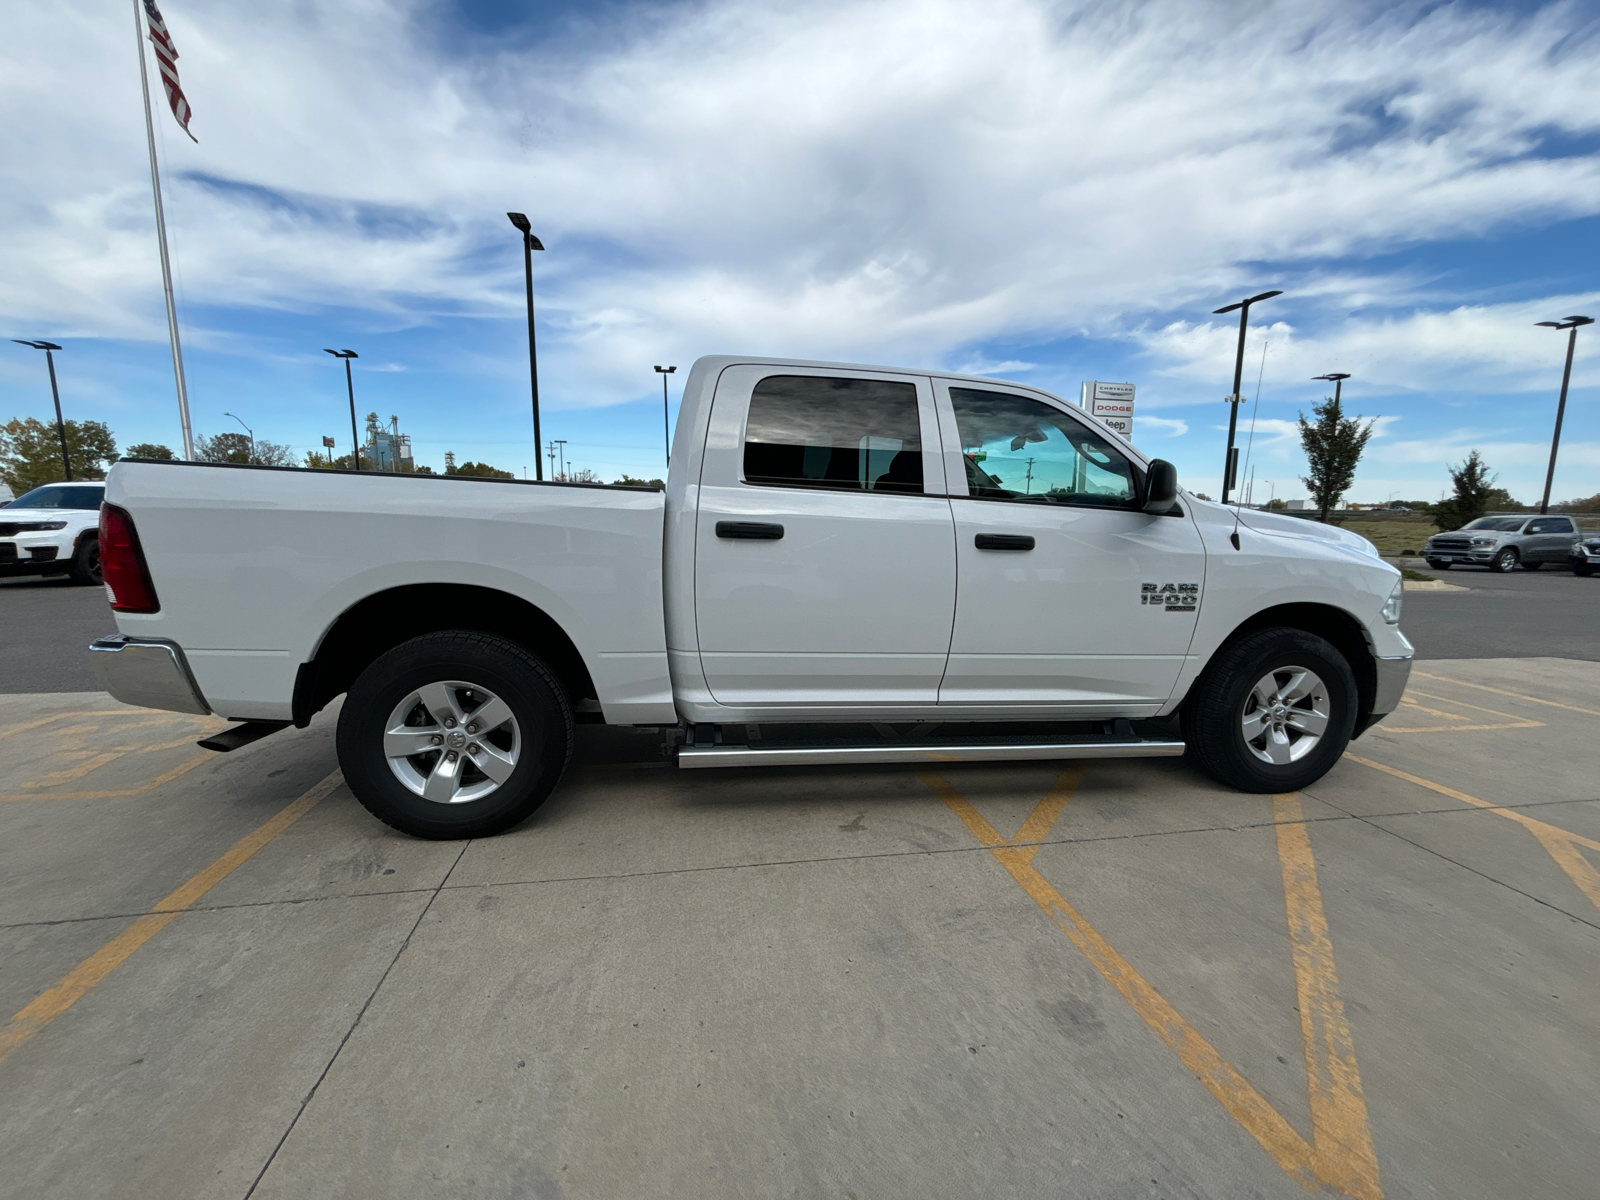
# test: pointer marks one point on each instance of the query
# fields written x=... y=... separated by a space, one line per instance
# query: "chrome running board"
x=691 y=757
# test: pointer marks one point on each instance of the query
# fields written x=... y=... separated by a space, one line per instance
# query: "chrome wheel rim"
x=1285 y=715
x=452 y=742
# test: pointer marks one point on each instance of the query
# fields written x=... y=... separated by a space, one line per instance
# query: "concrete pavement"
x=998 y=980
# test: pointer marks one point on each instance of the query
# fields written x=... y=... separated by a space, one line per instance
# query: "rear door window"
x=825 y=432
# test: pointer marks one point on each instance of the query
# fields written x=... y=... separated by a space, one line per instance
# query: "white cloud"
x=895 y=180
x=1169 y=426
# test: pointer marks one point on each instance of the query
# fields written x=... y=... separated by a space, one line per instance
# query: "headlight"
x=1483 y=541
x=40 y=526
x=1391 y=606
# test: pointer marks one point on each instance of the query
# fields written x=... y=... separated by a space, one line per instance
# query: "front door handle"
x=1003 y=541
x=756 y=531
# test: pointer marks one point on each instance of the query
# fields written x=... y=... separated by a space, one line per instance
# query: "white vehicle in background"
x=53 y=530
x=849 y=564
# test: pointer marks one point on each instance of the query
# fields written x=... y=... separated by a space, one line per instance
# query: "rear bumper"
x=150 y=672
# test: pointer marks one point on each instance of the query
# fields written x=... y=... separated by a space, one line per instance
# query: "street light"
x=1572 y=324
x=666 y=427
x=355 y=438
x=248 y=430
x=1228 y=463
x=61 y=428
x=1336 y=378
x=561 y=449
x=529 y=245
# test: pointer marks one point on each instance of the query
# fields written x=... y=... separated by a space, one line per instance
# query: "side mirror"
x=1160 y=486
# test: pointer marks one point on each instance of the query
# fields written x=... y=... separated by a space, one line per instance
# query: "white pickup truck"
x=849 y=564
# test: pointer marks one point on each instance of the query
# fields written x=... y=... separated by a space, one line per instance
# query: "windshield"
x=61 y=495
x=1498 y=524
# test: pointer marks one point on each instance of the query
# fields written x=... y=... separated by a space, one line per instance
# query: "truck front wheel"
x=1272 y=712
x=455 y=735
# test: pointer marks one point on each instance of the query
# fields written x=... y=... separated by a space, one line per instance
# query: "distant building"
x=389 y=449
x=1298 y=505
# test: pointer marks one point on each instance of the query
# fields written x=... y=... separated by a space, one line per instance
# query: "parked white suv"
x=53 y=530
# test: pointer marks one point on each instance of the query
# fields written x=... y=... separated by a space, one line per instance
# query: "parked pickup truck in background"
x=53 y=530
x=1503 y=543
x=849 y=564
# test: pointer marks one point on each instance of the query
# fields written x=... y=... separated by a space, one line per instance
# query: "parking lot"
x=1105 y=980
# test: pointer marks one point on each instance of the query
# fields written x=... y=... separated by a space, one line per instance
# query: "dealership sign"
x=1110 y=403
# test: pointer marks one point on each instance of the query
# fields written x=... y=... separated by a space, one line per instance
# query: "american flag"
x=167 y=56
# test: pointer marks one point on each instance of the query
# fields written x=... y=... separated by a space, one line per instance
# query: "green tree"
x=1587 y=504
x=30 y=452
x=1474 y=487
x=237 y=448
x=150 y=450
x=1333 y=444
x=482 y=470
x=630 y=481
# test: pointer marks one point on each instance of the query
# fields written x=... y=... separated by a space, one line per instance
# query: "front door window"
x=1020 y=449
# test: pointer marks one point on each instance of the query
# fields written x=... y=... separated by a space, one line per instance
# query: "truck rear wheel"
x=1272 y=712
x=455 y=735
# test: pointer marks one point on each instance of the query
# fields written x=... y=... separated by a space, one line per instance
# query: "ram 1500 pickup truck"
x=849 y=564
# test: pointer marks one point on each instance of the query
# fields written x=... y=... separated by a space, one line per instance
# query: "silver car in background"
x=1503 y=543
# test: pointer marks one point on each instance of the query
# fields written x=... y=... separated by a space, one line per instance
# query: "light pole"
x=529 y=245
x=1571 y=324
x=349 y=384
x=666 y=426
x=61 y=428
x=248 y=430
x=1336 y=378
x=1228 y=464
x=561 y=449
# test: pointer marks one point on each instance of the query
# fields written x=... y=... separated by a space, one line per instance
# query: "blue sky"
x=1049 y=192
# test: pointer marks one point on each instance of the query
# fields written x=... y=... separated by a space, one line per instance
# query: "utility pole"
x=49 y=349
x=561 y=449
x=529 y=245
x=1028 y=489
x=550 y=452
x=1230 y=461
x=666 y=426
x=1572 y=325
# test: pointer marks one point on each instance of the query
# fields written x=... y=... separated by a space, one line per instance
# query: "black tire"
x=1583 y=569
x=537 y=702
x=86 y=563
x=1505 y=562
x=1439 y=566
x=1531 y=566
x=1215 y=709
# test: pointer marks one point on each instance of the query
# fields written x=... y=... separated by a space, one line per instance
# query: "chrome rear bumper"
x=150 y=672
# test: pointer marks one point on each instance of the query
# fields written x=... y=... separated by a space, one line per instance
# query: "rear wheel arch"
x=1333 y=625
x=378 y=623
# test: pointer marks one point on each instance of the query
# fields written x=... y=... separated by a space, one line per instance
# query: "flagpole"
x=161 y=238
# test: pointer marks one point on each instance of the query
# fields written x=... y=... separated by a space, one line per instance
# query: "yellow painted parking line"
x=1457 y=728
x=98 y=712
x=1493 y=712
x=1340 y=1155
x=76 y=983
x=116 y=793
x=1483 y=687
x=1561 y=844
x=1408 y=702
x=94 y=762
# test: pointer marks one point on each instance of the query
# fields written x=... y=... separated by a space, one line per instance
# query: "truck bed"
x=254 y=565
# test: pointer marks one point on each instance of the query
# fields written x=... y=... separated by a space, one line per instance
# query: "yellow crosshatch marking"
x=1340 y=1155
x=1560 y=844
x=1467 y=725
x=84 y=762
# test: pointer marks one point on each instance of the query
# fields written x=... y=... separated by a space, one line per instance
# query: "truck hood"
x=27 y=516
x=1308 y=530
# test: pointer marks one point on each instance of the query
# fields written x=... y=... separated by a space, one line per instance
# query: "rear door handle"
x=1003 y=541
x=756 y=531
